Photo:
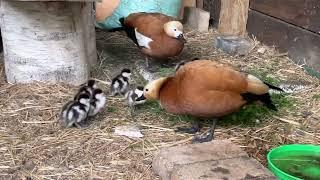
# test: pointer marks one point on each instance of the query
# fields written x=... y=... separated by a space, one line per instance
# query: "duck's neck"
x=168 y=96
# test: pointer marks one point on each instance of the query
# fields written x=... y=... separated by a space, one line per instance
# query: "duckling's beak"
x=141 y=98
x=181 y=38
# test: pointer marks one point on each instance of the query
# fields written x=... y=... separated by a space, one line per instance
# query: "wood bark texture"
x=213 y=6
x=88 y=18
x=46 y=41
x=233 y=17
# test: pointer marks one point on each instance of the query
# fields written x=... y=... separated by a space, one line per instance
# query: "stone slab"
x=240 y=168
x=219 y=159
x=233 y=45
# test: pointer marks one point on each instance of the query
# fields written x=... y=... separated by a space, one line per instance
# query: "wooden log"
x=186 y=3
x=46 y=41
x=200 y=4
x=213 y=6
x=233 y=17
x=196 y=18
x=88 y=18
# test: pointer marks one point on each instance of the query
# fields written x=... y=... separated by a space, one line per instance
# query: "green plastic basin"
x=295 y=162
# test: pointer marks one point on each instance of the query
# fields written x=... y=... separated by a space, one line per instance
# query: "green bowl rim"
x=284 y=147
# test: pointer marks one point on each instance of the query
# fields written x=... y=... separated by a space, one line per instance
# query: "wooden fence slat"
x=302 y=45
x=303 y=13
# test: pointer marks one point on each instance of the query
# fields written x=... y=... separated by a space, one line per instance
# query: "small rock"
x=233 y=45
x=132 y=131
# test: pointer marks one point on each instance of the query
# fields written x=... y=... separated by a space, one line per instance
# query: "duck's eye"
x=175 y=29
x=147 y=89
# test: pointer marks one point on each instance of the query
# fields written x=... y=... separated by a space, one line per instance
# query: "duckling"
x=76 y=112
x=157 y=35
x=207 y=89
x=120 y=83
x=98 y=102
x=135 y=96
x=87 y=88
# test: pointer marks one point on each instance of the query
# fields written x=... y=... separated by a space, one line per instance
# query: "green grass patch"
x=166 y=71
x=248 y=115
x=155 y=108
x=316 y=97
x=111 y=109
x=265 y=76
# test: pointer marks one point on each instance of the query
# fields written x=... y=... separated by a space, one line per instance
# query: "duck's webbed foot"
x=208 y=137
x=194 y=128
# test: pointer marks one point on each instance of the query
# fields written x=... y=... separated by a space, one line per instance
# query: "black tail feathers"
x=273 y=87
x=264 y=98
x=122 y=28
x=122 y=21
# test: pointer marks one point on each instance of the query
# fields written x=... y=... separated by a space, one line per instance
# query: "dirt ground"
x=33 y=145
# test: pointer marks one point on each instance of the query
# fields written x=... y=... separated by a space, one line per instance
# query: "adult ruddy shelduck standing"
x=206 y=89
x=157 y=35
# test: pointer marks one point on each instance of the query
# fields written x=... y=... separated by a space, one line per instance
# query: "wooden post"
x=186 y=3
x=88 y=18
x=233 y=17
x=47 y=41
x=200 y=4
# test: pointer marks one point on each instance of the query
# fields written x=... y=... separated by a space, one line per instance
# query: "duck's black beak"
x=181 y=38
x=141 y=98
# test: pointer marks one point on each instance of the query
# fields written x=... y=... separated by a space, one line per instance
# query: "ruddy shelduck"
x=157 y=35
x=207 y=89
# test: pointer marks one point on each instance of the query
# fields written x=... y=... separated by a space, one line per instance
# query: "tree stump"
x=233 y=17
x=48 y=41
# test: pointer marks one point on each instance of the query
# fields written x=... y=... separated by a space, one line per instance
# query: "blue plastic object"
x=126 y=7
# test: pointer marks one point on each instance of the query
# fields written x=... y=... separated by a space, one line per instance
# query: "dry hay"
x=33 y=144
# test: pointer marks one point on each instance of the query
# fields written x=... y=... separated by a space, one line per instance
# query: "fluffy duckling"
x=157 y=35
x=135 y=96
x=206 y=89
x=98 y=101
x=76 y=112
x=87 y=88
x=120 y=83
